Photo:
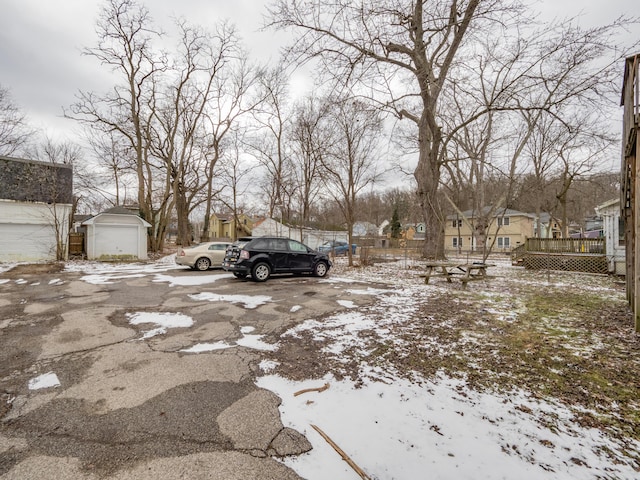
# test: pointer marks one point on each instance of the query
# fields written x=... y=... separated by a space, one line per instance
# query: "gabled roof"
x=120 y=210
x=117 y=211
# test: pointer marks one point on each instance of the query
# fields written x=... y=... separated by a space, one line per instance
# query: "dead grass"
x=566 y=338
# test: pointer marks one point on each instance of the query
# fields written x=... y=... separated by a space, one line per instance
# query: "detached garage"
x=116 y=234
x=35 y=204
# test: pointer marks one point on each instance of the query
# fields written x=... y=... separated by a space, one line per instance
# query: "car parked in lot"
x=202 y=256
x=337 y=247
x=262 y=256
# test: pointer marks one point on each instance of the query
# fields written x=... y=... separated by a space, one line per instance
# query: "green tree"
x=396 y=227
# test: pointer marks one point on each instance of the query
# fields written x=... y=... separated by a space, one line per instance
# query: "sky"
x=41 y=41
x=389 y=427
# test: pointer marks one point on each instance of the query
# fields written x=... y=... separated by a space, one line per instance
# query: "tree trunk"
x=427 y=175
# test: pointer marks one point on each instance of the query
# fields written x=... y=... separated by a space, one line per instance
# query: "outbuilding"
x=116 y=234
x=35 y=204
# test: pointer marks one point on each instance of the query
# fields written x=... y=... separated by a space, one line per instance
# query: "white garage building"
x=116 y=234
x=35 y=205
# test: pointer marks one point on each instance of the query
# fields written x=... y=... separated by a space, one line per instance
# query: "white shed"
x=116 y=234
x=614 y=235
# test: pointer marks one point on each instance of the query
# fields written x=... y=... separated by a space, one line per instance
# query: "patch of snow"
x=347 y=303
x=163 y=320
x=249 y=341
x=190 y=280
x=46 y=380
x=295 y=308
x=399 y=429
x=249 y=301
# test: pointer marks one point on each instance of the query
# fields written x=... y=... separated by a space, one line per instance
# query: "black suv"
x=262 y=256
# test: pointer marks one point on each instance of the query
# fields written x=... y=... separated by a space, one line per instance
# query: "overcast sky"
x=40 y=43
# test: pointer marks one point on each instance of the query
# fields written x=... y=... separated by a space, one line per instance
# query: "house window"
x=457 y=242
x=503 y=221
x=457 y=223
x=504 y=242
x=621 y=231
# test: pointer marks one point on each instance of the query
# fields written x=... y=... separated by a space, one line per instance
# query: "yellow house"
x=226 y=226
x=506 y=229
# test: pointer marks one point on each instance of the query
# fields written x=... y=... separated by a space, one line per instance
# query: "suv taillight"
x=244 y=255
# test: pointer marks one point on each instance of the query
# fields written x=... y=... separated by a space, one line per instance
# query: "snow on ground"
x=393 y=428
x=401 y=430
x=46 y=380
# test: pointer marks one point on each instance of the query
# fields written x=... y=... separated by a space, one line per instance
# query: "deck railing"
x=573 y=254
x=565 y=245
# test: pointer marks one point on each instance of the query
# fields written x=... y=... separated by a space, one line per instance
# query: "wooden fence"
x=76 y=243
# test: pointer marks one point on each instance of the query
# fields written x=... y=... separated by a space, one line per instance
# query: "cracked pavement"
x=133 y=407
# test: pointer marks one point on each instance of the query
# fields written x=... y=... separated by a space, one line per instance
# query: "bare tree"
x=351 y=163
x=58 y=190
x=235 y=171
x=309 y=139
x=14 y=130
x=409 y=54
x=112 y=174
x=269 y=142
x=179 y=137
x=234 y=96
x=383 y=44
x=125 y=38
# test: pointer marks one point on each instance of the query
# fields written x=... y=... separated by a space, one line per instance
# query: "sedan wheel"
x=260 y=272
x=203 y=264
x=321 y=269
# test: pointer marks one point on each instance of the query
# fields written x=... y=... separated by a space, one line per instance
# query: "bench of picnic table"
x=467 y=272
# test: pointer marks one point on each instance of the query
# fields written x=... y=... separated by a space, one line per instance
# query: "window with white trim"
x=457 y=242
x=504 y=242
x=503 y=221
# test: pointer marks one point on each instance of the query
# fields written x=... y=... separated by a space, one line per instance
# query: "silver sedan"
x=202 y=256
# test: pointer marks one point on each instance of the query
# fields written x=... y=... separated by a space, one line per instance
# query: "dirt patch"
x=34 y=269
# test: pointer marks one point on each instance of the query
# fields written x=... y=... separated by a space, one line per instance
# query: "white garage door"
x=116 y=240
x=26 y=242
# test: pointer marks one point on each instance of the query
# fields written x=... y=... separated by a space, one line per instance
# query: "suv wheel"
x=320 y=270
x=260 y=271
x=202 y=264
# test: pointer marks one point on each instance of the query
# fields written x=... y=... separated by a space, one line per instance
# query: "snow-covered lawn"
x=417 y=398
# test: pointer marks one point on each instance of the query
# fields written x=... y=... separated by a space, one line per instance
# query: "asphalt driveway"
x=140 y=400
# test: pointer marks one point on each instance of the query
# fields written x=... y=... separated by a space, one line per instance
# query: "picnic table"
x=466 y=272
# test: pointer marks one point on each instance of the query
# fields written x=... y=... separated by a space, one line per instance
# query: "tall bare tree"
x=351 y=163
x=179 y=135
x=309 y=139
x=234 y=96
x=15 y=132
x=269 y=142
x=125 y=35
x=383 y=44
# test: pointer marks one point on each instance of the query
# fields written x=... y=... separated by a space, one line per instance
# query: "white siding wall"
x=28 y=233
x=611 y=226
